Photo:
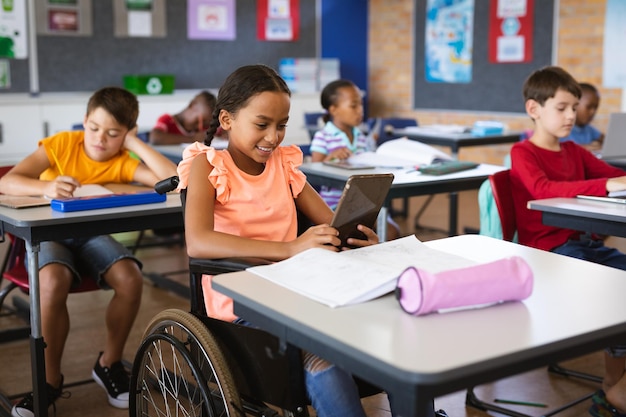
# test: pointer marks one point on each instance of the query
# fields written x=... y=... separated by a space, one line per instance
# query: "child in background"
x=341 y=136
x=240 y=203
x=582 y=132
x=98 y=155
x=544 y=167
x=187 y=126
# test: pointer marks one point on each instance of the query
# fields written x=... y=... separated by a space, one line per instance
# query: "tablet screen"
x=362 y=198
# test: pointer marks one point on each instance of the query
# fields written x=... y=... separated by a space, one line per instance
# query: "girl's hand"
x=341 y=153
x=321 y=236
x=62 y=186
x=372 y=238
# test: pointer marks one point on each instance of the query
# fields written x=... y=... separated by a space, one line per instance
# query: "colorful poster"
x=449 y=41
x=614 y=65
x=278 y=20
x=511 y=31
x=13 y=29
x=211 y=19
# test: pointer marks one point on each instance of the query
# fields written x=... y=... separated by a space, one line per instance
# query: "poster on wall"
x=614 y=65
x=13 y=29
x=449 y=41
x=511 y=31
x=139 y=18
x=278 y=20
x=63 y=17
x=211 y=19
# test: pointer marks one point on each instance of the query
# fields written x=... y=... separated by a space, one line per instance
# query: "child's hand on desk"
x=341 y=153
x=321 y=236
x=616 y=184
x=372 y=238
x=62 y=186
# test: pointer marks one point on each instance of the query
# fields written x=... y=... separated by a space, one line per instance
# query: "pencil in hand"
x=56 y=161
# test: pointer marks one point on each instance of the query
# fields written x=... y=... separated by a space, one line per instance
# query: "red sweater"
x=539 y=173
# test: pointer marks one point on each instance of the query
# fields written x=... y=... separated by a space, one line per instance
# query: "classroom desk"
x=584 y=215
x=455 y=141
x=406 y=184
x=416 y=359
x=36 y=225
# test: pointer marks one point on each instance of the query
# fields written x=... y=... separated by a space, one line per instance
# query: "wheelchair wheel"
x=179 y=370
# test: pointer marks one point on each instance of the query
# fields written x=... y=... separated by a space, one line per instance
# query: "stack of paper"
x=358 y=275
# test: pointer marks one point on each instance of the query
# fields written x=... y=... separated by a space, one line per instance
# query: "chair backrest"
x=501 y=188
x=387 y=125
x=313 y=118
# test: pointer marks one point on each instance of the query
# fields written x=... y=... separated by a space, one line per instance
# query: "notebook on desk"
x=620 y=199
x=614 y=145
x=21 y=201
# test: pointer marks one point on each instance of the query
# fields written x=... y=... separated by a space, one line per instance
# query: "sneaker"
x=26 y=407
x=115 y=381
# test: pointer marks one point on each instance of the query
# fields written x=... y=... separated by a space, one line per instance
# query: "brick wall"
x=579 y=50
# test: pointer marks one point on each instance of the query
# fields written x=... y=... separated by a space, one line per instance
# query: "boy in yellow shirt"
x=63 y=162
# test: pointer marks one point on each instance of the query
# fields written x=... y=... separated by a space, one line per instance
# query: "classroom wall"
x=579 y=46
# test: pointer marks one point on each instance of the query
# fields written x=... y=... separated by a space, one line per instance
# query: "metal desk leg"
x=381 y=224
x=454 y=214
x=37 y=344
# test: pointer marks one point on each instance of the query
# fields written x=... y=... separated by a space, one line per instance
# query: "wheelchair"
x=189 y=364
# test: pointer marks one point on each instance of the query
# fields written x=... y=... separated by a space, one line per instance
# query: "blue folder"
x=106 y=201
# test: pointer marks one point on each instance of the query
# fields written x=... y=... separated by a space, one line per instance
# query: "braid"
x=210 y=132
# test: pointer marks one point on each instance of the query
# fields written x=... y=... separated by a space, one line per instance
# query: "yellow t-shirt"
x=70 y=151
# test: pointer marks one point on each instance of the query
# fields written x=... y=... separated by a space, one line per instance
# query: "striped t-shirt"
x=326 y=141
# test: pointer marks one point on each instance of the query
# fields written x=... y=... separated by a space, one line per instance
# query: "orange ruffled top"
x=253 y=206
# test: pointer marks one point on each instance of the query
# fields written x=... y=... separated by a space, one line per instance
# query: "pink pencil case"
x=421 y=292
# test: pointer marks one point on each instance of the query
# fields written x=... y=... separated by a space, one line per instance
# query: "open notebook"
x=18 y=201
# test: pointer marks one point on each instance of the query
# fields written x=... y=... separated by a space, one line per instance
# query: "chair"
x=313 y=121
x=212 y=367
x=386 y=127
x=15 y=273
x=382 y=130
x=501 y=188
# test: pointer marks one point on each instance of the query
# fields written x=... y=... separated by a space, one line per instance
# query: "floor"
x=88 y=400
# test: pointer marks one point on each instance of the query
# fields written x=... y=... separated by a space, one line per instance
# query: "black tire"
x=179 y=369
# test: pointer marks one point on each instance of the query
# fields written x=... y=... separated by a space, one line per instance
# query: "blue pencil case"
x=106 y=201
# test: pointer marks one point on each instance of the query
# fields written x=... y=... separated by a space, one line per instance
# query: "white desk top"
x=572 y=303
x=38 y=216
x=401 y=176
x=581 y=207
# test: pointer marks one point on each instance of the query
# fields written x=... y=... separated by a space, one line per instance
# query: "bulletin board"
x=493 y=87
x=86 y=63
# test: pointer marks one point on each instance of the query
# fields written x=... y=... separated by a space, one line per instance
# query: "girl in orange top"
x=240 y=203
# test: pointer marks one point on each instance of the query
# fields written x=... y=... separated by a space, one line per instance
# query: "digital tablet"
x=362 y=198
x=345 y=164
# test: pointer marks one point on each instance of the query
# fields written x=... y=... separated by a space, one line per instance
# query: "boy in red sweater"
x=543 y=167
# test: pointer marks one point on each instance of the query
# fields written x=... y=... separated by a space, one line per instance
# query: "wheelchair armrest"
x=224 y=265
x=200 y=266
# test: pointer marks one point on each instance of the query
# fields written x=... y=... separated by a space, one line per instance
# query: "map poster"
x=449 y=41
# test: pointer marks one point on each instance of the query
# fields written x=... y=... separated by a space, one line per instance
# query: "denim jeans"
x=333 y=393
x=592 y=250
